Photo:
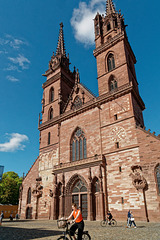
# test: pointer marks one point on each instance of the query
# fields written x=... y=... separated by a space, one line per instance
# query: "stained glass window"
x=78 y=146
x=79 y=187
x=73 y=151
x=29 y=196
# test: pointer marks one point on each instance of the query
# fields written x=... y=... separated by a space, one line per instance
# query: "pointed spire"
x=110 y=8
x=60 y=46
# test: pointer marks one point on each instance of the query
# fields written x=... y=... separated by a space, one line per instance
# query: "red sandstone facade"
x=94 y=151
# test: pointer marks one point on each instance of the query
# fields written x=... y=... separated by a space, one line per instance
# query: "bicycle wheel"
x=103 y=223
x=113 y=222
x=62 y=238
x=86 y=236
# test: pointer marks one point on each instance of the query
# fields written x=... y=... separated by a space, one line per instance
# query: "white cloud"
x=82 y=20
x=12 y=68
x=12 y=79
x=12 y=42
x=14 y=143
x=20 y=60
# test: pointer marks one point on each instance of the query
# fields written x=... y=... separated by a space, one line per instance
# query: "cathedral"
x=94 y=151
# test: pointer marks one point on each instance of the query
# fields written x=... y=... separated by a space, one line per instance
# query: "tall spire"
x=60 y=46
x=110 y=8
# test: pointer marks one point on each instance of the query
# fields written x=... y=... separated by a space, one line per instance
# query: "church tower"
x=115 y=58
x=56 y=90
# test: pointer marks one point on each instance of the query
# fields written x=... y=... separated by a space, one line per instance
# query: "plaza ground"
x=48 y=230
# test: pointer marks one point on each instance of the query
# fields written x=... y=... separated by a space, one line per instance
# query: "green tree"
x=9 y=188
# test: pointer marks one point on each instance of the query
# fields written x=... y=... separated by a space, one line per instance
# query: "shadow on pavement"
x=7 y=233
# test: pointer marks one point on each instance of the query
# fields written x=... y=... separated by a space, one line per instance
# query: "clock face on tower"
x=117 y=134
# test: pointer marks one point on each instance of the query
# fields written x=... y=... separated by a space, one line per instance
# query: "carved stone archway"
x=77 y=191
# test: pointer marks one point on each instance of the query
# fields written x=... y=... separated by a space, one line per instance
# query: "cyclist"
x=78 y=221
x=109 y=217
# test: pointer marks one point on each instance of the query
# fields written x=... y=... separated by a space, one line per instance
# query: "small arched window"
x=108 y=26
x=50 y=113
x=49 y=138
x=51 y=94
x=113 y=84
x=158 y=178
x=29 y=196
x=110 y=62
x=78 y=146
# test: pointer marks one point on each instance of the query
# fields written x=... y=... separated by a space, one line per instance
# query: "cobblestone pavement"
x=47 y=230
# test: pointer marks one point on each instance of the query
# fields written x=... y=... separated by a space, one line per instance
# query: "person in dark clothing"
x=109 y=217
x=128 y=218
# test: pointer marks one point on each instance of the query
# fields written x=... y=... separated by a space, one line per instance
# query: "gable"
x=78 y=97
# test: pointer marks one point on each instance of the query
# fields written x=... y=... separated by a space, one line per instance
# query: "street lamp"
x=1 y=172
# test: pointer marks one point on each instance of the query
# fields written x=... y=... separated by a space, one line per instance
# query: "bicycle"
x=105 y=222
x=65 y=224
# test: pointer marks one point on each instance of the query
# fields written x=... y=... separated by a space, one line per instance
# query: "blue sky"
x=28 y=36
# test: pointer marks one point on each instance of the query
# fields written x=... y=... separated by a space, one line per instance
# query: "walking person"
x=128 y=218
x=78 y=221
x=132 y=221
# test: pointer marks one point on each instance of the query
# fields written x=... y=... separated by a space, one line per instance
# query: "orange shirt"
x=80 y=218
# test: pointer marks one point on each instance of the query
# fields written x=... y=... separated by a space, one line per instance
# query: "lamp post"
x=1 y=172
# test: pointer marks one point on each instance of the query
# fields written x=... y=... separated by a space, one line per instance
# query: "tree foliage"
x=9 y=188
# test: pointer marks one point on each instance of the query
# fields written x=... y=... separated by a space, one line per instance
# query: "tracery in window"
x=78 y=146
x=79 y=187
x=51 y=113
x=51 y=94
x=110 y=62
x=77 y=103
x=29 y=196
x=158 y=178
x=113 y=84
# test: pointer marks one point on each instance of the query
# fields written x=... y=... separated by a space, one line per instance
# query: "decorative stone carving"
x=118 y=134
x=139 y=182
x=50 y=193
x=37 y=191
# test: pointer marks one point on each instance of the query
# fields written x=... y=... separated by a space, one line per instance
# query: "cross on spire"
x=60 y=46
x=110 y=8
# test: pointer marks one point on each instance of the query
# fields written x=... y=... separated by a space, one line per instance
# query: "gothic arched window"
x=78 y=146
x=51 y=94
x=113 y=84
x=158 y=178
x=51 y=113
x=79 y=187
x=110 y=62
x=29 y=196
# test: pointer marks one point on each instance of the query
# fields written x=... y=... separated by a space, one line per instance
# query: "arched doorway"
x=29 y=213
x=79 y=196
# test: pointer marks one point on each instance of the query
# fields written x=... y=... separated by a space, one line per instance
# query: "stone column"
x=101 y=197
x=90 y=199
x=55 y=197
